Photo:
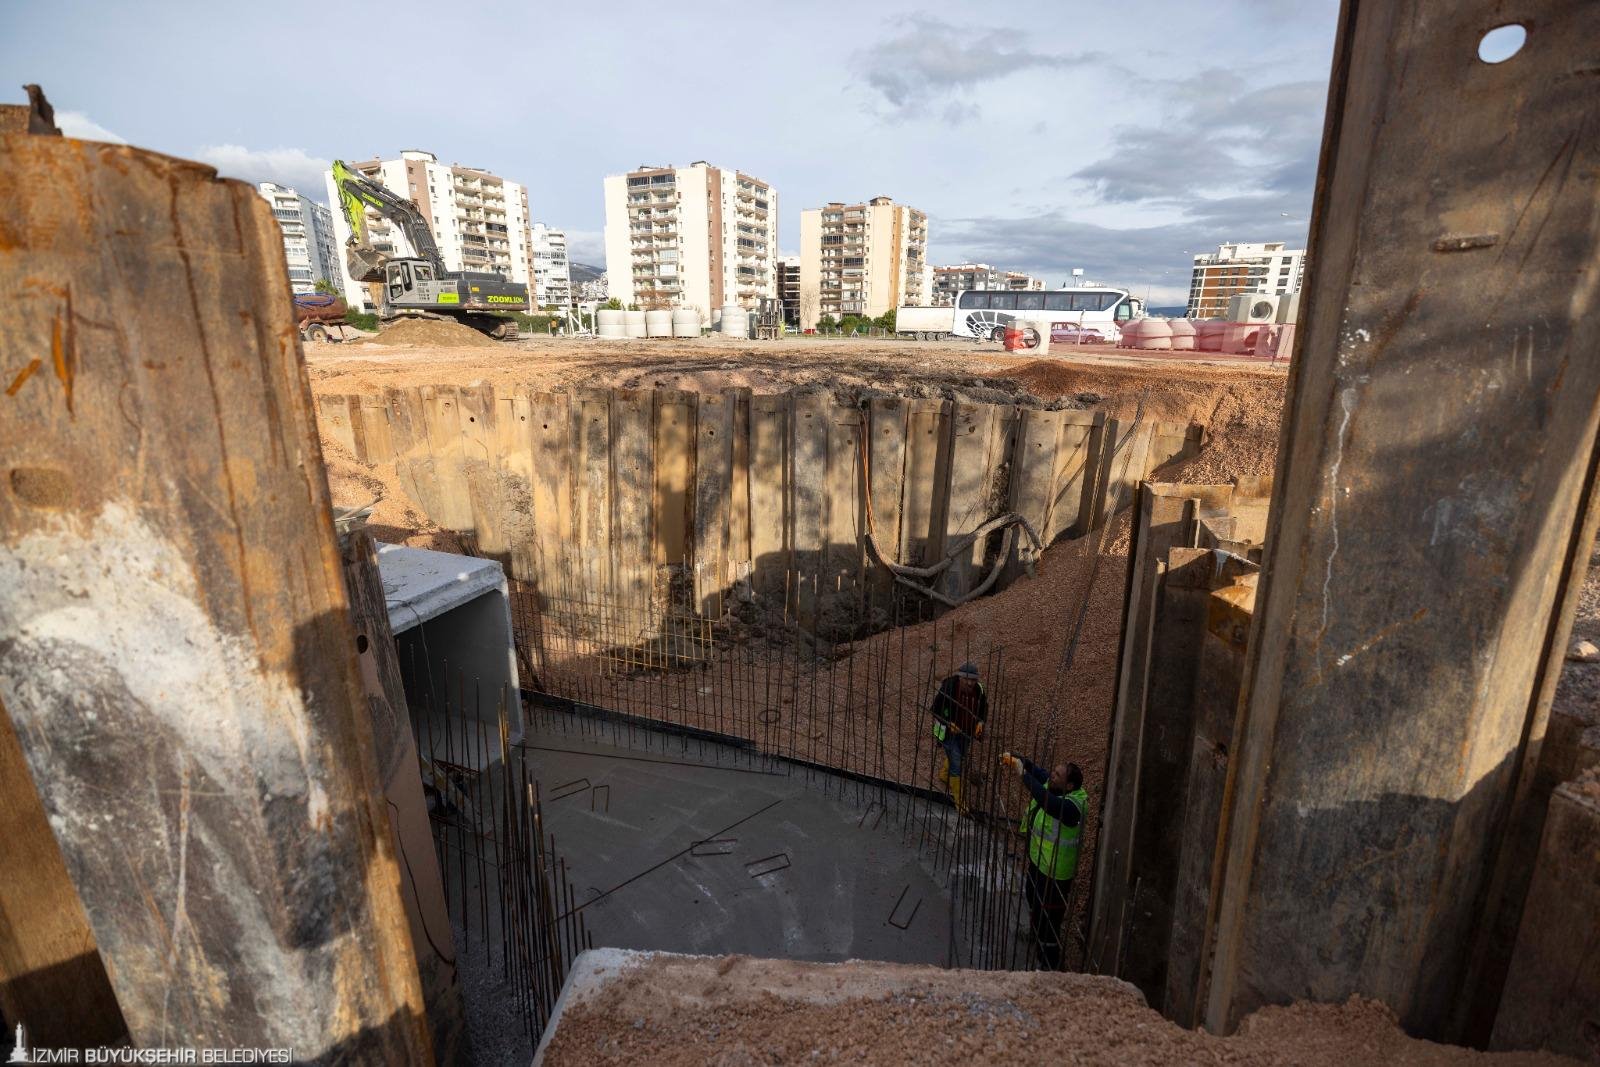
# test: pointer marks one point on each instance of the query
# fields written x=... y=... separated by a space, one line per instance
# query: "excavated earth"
x=692 y=1010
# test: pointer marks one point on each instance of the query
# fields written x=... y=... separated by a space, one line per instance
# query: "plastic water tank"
x=1130 y=333
x=686 y=323
x=608 y=323
x=633 y=323
x=1155 y=335
x=1183 y=335
x=658 y=324
x=1208 y=334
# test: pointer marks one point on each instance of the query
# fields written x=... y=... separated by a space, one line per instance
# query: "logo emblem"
x=20 y=1053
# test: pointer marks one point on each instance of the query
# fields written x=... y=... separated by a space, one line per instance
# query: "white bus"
x=1074 y=314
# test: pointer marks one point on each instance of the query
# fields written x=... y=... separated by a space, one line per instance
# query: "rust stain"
x=23 y=375
x=64 y=349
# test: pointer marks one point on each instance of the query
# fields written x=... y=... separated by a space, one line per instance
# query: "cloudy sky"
x=1119 y=138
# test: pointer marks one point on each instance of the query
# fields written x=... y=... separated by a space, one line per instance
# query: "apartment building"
x=478 y=220
x=310 y=246
x=789 y=289
x=958 y=277
x=552 y=275
x=862 y=259
x=694 y=237
x=1242 y=268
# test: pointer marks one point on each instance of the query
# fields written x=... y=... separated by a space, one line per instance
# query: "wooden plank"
x=978 y=439
x=1033 y=470
x=441 y=420
x=1419 y=579
x=1177 y=637
x=555 y=511
x=333 y=419
x=739 y=555
x=1160 y=523
x=513 y=447
x=410 y=436
x=769 y=495
x=411 y=833
x=713 y=479
x=675 y=412
x=887 y=465
x=165 y=533
x=374 y=442
x=591 y=498
x=846 y=510
x=922 y=509
x=481 y=470
x=808 y=499
x=1218 y=680
x=632 y=487
x=1073 y=474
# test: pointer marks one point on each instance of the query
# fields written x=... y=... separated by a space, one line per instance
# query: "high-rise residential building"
x=1242 y=268
x=478 y=220
x=789 y=289
x=1018 y=282
x=862 y=259
x=958 y=277
x=309 y=244
x=693 y=237
x=552 y=277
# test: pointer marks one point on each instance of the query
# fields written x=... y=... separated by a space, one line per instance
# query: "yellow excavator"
x=419 y=285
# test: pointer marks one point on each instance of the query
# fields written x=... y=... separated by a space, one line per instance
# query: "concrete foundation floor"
x=688 y=846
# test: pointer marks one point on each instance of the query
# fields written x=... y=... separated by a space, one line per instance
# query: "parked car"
x=1073 y=334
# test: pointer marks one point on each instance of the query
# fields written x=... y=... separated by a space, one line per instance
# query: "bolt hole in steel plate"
x=1502 y=42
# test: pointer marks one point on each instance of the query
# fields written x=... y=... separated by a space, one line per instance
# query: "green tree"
x=886 y=320
x=326 y=288
x=827 y=322
x=612 y=305
x=361 y=320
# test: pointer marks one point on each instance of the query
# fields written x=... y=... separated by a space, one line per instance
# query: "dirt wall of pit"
x=634 y=496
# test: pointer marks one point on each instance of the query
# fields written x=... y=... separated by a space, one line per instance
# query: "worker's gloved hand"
x=978 y=731
x=1008 y=760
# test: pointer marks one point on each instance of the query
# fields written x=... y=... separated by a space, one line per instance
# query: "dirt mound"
x=396 y=519
x=436 y=333
x=735 y=1010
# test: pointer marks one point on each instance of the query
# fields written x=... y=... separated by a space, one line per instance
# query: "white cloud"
x=586 y=246
x=293 y=167
x=930 y=60
x=77 y=124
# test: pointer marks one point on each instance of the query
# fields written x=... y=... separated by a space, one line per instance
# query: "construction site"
x=422 y=697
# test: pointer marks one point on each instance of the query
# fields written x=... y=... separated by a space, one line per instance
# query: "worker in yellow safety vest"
x=959 y=709
x=1057 y=809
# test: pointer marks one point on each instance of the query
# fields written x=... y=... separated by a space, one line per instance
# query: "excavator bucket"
x=365 y=263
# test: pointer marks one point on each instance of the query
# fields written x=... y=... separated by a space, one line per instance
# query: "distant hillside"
x=582 y=272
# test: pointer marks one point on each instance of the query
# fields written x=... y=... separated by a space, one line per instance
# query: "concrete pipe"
x=658 y=324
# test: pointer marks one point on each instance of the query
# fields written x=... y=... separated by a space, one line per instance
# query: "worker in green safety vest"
x=959 y=709
x=1057 y=809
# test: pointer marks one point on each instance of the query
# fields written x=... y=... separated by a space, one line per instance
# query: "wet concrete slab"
x=696 y=847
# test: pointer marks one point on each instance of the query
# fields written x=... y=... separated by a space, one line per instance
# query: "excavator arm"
x=357 y=192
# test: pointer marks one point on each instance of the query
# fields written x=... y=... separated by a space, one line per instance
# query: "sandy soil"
x=673 y=1010
x=982 y=372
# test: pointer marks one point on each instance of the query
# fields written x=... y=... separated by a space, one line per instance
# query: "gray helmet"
x=968 y=670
